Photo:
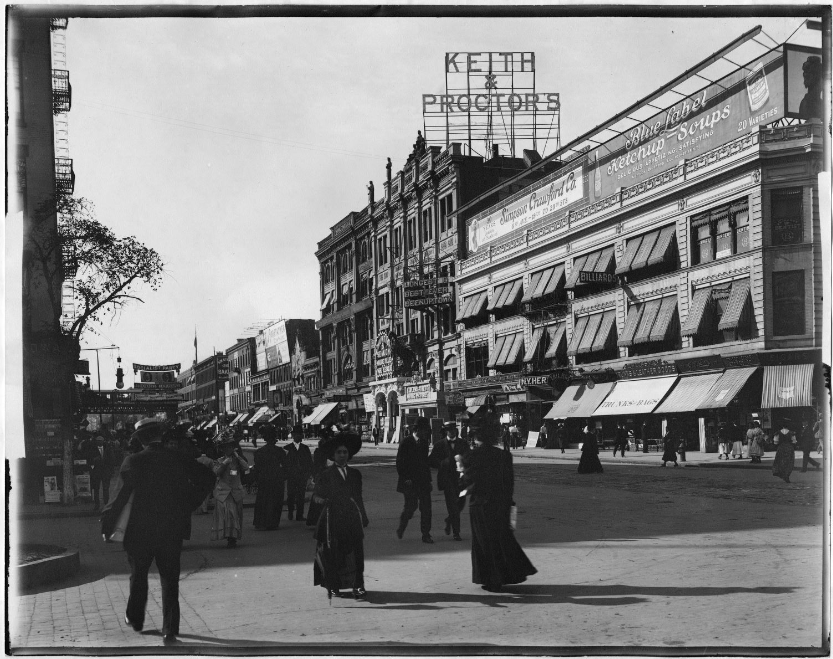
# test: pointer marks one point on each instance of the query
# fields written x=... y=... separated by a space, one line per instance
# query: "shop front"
x=387 y=415
x=576 y=406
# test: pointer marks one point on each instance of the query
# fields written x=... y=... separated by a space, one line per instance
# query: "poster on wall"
x=82 y=486
x=51 y=493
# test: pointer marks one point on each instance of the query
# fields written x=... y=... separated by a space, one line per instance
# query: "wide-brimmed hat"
x=268 y=432
x=352 y=441
x=149 y=429
x=487 y=429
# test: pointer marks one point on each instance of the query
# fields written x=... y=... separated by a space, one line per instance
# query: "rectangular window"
x=427 y=225
x=786 y=207
x=477 y=356
x=742 y=231
x=397 y=242
x=721 y=232
x=724 y=238
x=704 y=244
x=412 y=235
x=446 y=208
x=788 y=303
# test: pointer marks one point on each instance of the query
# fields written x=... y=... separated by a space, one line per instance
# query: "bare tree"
x=106 y=271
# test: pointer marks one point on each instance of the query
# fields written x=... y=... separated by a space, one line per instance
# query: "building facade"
x=240 y=357
x=672 y=276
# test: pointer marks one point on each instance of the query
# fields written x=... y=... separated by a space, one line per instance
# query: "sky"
x=231 y=146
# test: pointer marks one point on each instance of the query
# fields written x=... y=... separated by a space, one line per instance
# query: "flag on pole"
x=195 y=347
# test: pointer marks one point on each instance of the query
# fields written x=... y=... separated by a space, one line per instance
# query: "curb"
x=48 y=570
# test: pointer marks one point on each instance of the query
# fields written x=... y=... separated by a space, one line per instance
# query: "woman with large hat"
x=228 y=492
x=782 y=465
x=488 y=478
x=339 y=534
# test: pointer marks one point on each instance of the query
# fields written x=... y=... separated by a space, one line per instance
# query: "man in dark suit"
x=166 y=486
x=443 y=459
x=298 y=470
x=101 y=457
x=415 y=477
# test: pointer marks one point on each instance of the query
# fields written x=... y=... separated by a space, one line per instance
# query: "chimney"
x=495 y=151
x=531 y=157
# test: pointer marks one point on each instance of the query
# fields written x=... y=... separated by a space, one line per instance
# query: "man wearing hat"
x=101 y=458
x=269 y=473
x=298 y=471
x=443 y=459
x=166 y=487
x=415 y=476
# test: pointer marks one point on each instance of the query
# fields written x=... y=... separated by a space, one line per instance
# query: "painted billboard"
x=553 y=196
x=749 y=97
x=275 y=345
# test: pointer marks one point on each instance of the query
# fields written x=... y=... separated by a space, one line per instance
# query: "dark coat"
x=298 y=461
x=442 y=459
x=105 y=463
x=489 y=477
x=412 y=466
x=167 y=488
x=269 y=465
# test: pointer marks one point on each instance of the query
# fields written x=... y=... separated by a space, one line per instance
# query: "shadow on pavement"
x=613 y=595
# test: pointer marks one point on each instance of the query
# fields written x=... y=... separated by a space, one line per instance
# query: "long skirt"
x=268 y=505
x=339 y=549
x=784 y=462
x=669 y=455
x=313 y=513
x=228 y=519
x=737 y=449
x=590 y=463
x=756 y=448
x=496 y=556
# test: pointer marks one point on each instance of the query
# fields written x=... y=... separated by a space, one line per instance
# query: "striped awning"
x=579 y=401
x=237 y=419
x=506 y=350
x=664 y=323
x=258 y=415
x=590 y=330
x=699 y=309
x=328 y=297
x=320 y=413
x=606 y=334
x=648 y=249
x=473 y=305
x=645 y=249
x=736 y=307
x=662 y=250
x=601 y=261
x=556 y=337
x=631 y=323
x=726 y=388
x=544 y=282
x=688 y=393
x=505 y=295
x=211 y=423
x=646 y=323
x=788 y=386
x=531 y=349
x=578 y=333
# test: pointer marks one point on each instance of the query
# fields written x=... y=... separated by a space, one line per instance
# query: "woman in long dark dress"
x=589 y=463
x=269 y=473
x=488 y=478
x=339 y=534
x=669 y=452
x=784 y=462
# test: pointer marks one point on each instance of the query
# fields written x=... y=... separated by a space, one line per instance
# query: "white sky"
x=232 y=145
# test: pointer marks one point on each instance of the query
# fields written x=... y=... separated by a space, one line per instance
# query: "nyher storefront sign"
x=730 y=107
x=544 y=200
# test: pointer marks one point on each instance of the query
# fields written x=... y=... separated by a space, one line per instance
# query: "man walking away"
x=376 y=435
x=298 y=471
x=621 y=440
x=166 y=486
x=269 y=475
x=415 y=477
x=443 y=459
x=807 y=441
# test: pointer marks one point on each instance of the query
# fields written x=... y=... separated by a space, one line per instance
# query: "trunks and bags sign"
x=733 y=106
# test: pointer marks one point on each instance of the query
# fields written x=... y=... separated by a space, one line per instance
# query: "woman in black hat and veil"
x=488 y=478
x=339 y=533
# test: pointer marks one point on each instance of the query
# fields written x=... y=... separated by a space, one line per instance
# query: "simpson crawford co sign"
x=729 y=108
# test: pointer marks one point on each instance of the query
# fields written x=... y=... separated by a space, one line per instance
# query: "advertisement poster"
x=804 y=76
x=51 y=493
x=82 y=486
x=545 y=199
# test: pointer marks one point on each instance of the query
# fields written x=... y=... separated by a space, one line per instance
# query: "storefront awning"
x=579 y=401
x=244 y=418
x=211 y=423
x=506 y=350
x=544 y=282
x=320 y=414
x=726 y=388
x=237 y=419
x=788 y=386
x=556 y=338
x=635 y=396
x=473 y=305
x=258 y=415
x=505 y=295
x=532 y=348
x=688 y=394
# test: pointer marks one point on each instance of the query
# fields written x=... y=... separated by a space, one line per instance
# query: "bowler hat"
x=419 y=423
x=351 y=441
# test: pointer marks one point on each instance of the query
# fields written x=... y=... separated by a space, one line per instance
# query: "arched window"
x=430 y=368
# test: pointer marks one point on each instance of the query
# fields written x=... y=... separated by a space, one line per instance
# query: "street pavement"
x=639 y=556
